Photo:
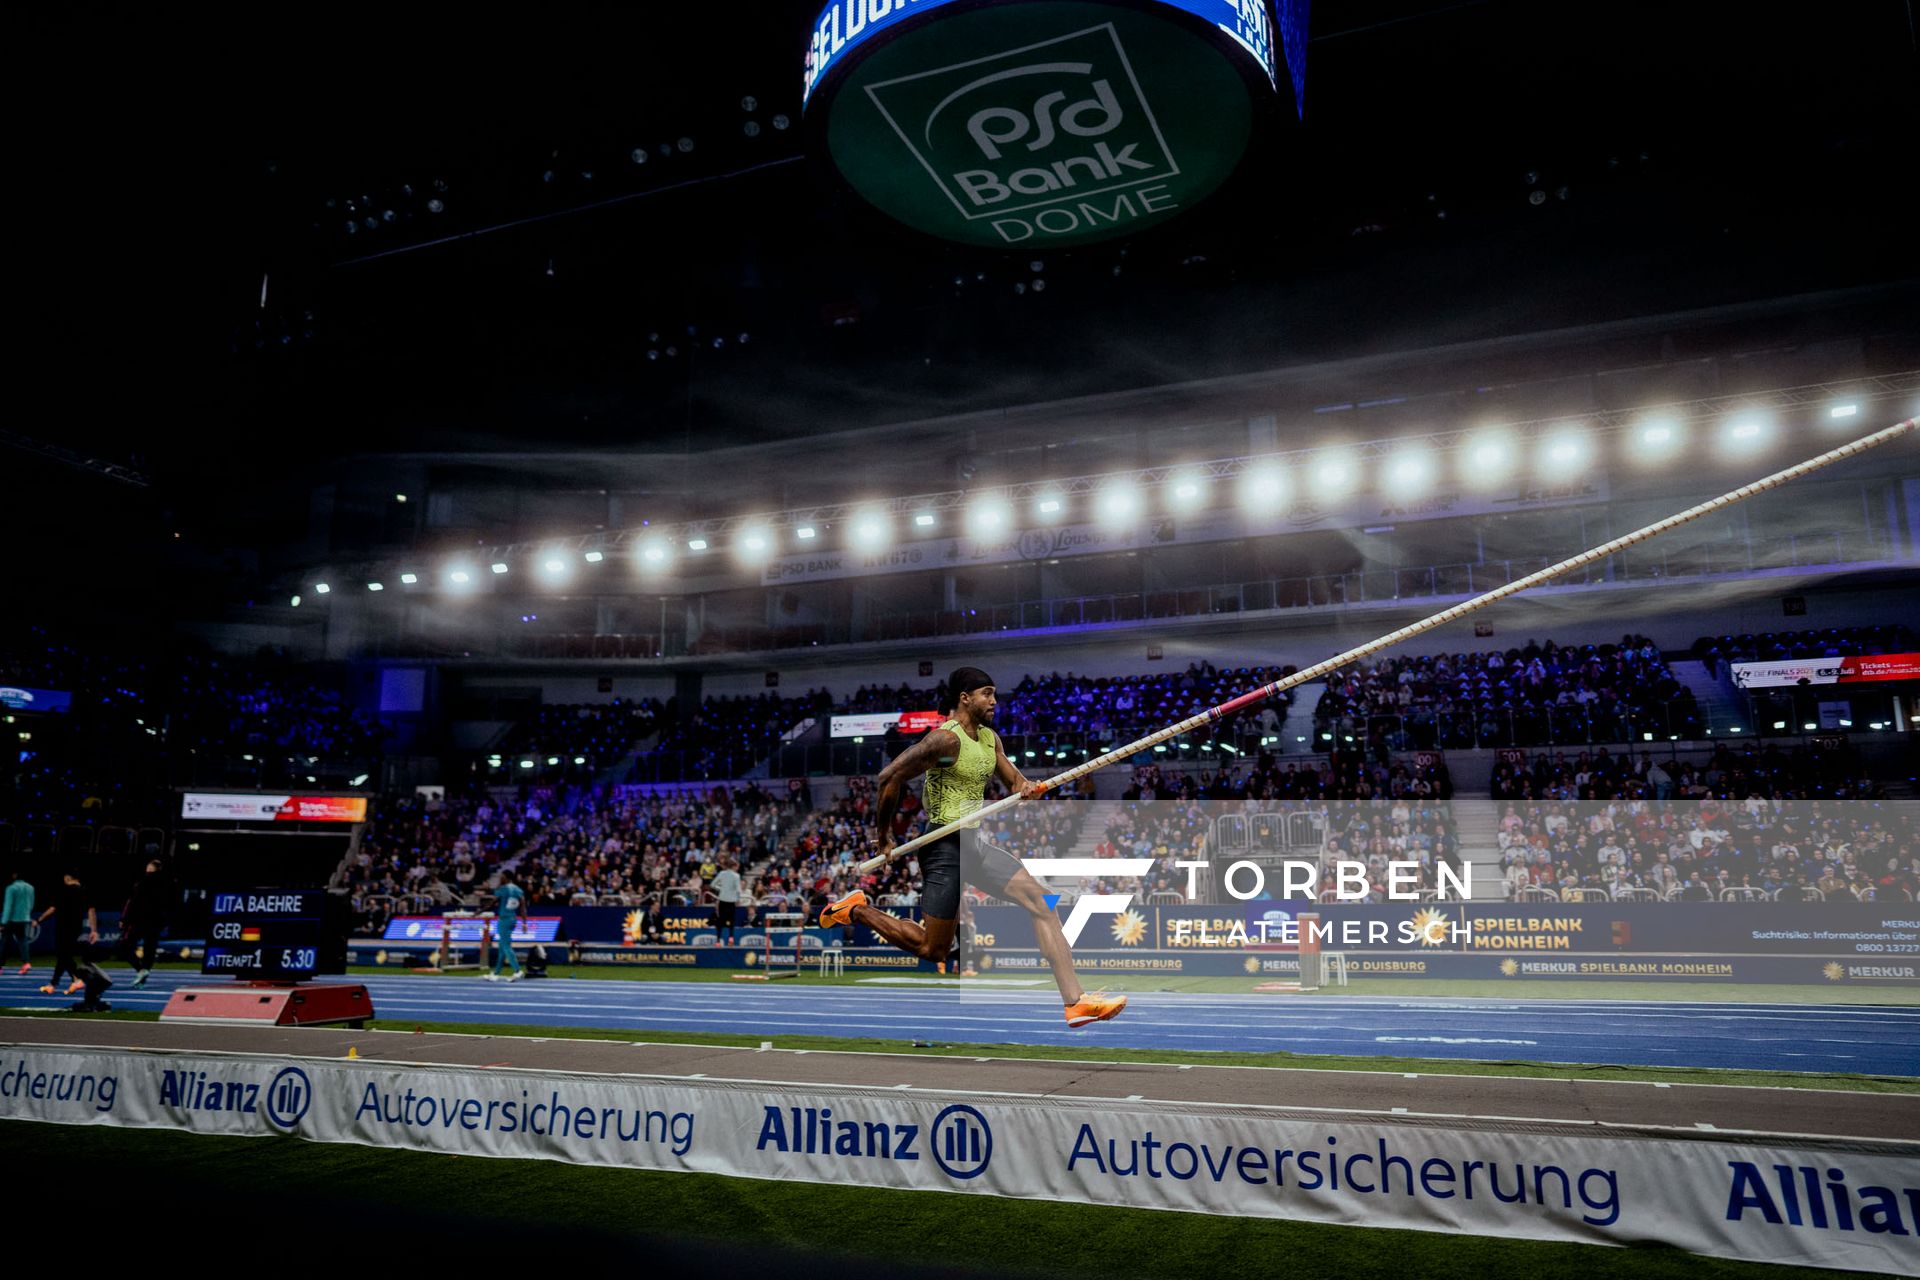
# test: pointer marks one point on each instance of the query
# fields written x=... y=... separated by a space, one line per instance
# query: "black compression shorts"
x=962 y=856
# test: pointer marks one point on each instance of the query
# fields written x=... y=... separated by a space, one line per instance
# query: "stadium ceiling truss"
x=1600 y=425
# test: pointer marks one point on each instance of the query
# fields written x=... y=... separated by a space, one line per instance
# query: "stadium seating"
x=1598 y=825
x=1528 y=696
x=1826 y=642
x=421 y=856
x=593 y=734
x=140 y=724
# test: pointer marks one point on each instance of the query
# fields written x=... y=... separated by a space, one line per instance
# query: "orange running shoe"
x=48 y=990
x=76 y=986
x=1097 y=1007
x=838 y=913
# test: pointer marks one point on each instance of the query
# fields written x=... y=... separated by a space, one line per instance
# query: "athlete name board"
x=272 y=934
x=1045 y=122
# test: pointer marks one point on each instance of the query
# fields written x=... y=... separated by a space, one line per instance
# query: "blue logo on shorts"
x=962 y=1142
x=288 y=1097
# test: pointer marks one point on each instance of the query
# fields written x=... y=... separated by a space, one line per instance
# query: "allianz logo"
x=283 y=1100
x=959 y=1141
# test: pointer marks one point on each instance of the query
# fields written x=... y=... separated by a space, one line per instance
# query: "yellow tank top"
x=956 y=790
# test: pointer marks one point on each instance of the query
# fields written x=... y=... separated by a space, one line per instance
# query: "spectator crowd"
x=1523 y=696
x=1760 y=822
x=1782 y=822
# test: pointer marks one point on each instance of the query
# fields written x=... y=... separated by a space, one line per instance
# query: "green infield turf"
x=481 y=1210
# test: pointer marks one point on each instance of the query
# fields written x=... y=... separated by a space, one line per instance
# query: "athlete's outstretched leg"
x=1024 y=891
x=930 y=942
x=1000 y=873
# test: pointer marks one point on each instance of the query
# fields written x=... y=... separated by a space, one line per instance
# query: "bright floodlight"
x=1333 y=472
x=321 y=588
x=375 y=586
x=754 y=541
x=1409 y=471
x=1050 y=505
x=870 y=528
x=409 y=578
x=1487 y=458
x=1744 y=434
x=1117 y=502
x=1563 y=452
x=988 y=516
x=1263 y=488
x=696 y=544
x=554 y=565
x=1843 y=411
x=653 y=551
x=1187 y=491
x=594 y=557
x=924 y=520
x=806 y=533
x=1655 y=440
x=498 y=568
x=459 y=576
x=295 y=602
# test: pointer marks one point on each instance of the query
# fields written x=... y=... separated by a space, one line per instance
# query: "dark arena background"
x=1377 y=540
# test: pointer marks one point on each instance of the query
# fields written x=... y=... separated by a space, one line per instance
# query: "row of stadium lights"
x=1409 y=471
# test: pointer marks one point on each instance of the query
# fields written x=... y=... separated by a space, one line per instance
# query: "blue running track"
x=1872 y=1039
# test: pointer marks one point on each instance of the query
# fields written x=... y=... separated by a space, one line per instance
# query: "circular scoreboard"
x=1043 y=123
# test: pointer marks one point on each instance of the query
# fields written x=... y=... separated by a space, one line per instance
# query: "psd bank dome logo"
x=1044 y=122
x=962 y=1142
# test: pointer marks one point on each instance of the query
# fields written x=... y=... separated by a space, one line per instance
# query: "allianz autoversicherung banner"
x=1835 y=1204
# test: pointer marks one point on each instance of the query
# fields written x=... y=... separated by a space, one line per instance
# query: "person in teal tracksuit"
x=506 y=909
x=15 y=915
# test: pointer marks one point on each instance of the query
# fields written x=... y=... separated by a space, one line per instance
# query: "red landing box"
x=273 y=1004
